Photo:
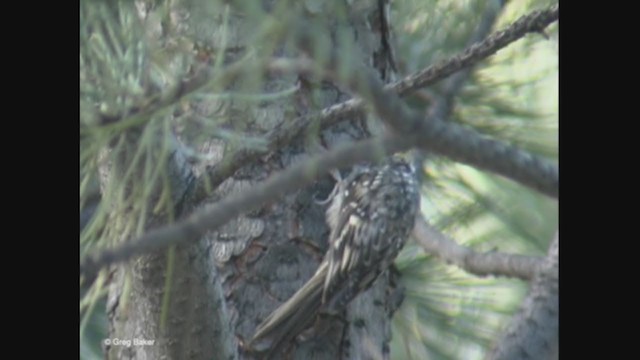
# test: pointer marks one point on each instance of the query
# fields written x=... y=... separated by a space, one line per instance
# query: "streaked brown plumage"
x=371 y=216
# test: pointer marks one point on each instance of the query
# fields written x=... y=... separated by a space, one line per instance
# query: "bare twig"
x=533 y=22
x=491 y=263
x=444 y=101
x=451 y=140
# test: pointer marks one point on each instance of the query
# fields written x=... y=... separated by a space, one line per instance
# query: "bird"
x=370 y=216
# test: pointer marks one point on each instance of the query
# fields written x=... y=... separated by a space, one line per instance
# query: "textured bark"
x=193 y=289
x=167 y=304
x=533 y=331
x=221 y=287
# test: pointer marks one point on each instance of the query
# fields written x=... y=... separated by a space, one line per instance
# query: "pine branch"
x=334 y=114
x=447 y=139
x=482 y=264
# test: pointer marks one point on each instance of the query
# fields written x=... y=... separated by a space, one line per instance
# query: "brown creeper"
x=371 y=216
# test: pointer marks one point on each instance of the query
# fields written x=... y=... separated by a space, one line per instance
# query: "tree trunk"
x=216 y=291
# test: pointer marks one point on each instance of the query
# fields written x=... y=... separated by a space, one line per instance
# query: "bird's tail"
x=290 y=318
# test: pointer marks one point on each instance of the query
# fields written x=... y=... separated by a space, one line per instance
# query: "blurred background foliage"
x=513 y=96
